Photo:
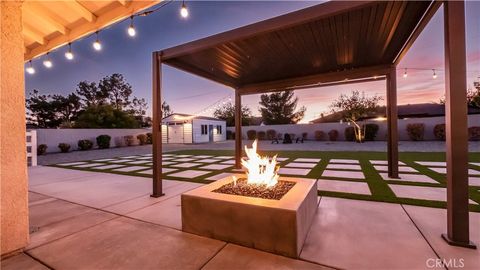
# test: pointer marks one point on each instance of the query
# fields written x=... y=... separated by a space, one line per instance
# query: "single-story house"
x=186 y=128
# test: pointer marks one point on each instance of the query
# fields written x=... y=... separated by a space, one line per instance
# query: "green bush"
x=261 y=135
x=333 y=135
x=271 y=134
x=416 y=131
x=85 y=145
x=474 y=133
x=129 y=140
x=103 y=141
x=64 y=147
x=319 y=135
x=349 y=134
x=439 y=132
x=42 y=149
x=149 y=138
x=251 y=134
x=142 y=139
x=371 y=131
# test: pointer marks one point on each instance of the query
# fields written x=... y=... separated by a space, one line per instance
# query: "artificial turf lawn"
x=378 y=187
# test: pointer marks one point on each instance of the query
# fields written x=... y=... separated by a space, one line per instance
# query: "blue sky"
x=187 y=93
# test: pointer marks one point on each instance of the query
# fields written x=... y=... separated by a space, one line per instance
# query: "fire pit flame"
x=260 y=170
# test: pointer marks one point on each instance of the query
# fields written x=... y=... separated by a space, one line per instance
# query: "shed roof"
x=329 y=38
x=183 y=115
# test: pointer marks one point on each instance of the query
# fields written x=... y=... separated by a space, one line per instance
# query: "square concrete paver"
x=444 y=171
x=203 y=156
x=189 y=174
x=72 y=163
x=137 y=162
x=301 y=165
x=348 y=161
x=474 y=181
x=344 y=167
x=20 y=262
x=293 y=171
x=183 y=156
x=238 y=257
x=344 y=174
x=164 y=170
x=219 y=176
x=145 y=158
x=313 y=160
x=185 y=165
x=215 y=167
x=125 y=243
x=207 y=160
x=475 y=163
x=130 y=169
x=343 y=186
x=88 y=165
x=121 y=161
x=229 y=162
x=184 y=159
x=108 y=167
x=432 y=163
x=382 y=168
x=223 y=157
x=103 y=160
x=167 y=163
x=384 y=162
x=353 y=234
x=410 y=177
x=421 y=193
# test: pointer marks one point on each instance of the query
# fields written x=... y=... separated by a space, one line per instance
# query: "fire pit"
x=272 y=214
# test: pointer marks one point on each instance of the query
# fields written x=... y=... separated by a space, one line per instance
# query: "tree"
x=166 y=110
x=138 y=108
x=90 y=94
x=227 y=113
x=354 y=107
x=117 y=89
x=40 y=110
x=105 y=116
x=67 y=107
x=279 y=108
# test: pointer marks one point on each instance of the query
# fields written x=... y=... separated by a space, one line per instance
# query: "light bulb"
x=97 y=45
x=131 y=31
x=47 y=62
x=69 y=54
x=30 y=69
x=184 y=11
x=434 y=74
x=405 y=75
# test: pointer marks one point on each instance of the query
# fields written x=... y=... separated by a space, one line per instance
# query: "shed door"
x=175 y=133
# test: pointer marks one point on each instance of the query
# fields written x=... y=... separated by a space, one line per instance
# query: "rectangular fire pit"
x=277 y=226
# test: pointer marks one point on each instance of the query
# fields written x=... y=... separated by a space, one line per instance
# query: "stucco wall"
x=13 y=161
x=52 y=137
x=430 y=122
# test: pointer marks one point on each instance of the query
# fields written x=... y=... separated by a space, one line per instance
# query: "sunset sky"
x=187 y=93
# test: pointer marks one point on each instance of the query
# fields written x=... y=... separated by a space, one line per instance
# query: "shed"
x=186 y=128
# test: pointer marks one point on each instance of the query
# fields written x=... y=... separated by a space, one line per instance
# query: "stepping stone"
x=344 y=174
x=167 y=163
x=202 y=156
x=224 y=157
x=184 y=159
x=293 y=171
x=130 y=169
x=108 y=167
x=185 y=165
x=230 y=162
x=343 y=186
x=384 y=162
x=145 y=158
x=348 y=161
x=120 y=161
x=474 y=181
x=130 y=157
x=281 y=159
x=473 y=172
x=315 y=160
x=183 y=156
x=219 y=176
x=475 y=163
x=207 y=160
x=138 y=162
x=164 y=170
x=382 y=168
x=167 y=158
x=165 y=155
x=444 y=171
x=238 y=170
x=421 y=193
x=89 y=165
x=432 y=163
x=189 y=174
x=301 y=165
x=215 y=167
x=71 y=163
x=408 y=177
x=344 y=167
x=103 y=160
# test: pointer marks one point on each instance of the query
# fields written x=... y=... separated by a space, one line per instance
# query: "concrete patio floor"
x=86 y=220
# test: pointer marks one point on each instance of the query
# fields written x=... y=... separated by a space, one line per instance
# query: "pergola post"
x=456 y=125
x=157 y=124
x=238 y=129
x=392 y=126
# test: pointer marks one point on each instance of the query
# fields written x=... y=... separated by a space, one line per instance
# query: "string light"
x=97 y=45
x=405 y=75
x=30 y=69
x=47 y=62
x=69 y=54
x=184 y=10
x=131 y=29
x=434 y=74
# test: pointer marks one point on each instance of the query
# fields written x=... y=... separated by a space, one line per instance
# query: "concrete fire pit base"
x=277 y=226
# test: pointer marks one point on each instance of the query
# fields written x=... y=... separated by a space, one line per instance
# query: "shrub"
x=142 y=139
x=261 y=135
x=371 y=131
x=129 y=140
x=251 y=134
x=280 y=136
x=439 y=132
x=416 y=131
x=319 y=135
x=349 y=134
x=333 y=135
x=474 y=133
x=119 y=142
x=64 y=147
x=103 y=141
x=149 y=138
x=85 y=145
x=271 y=134
x=304 y=135
x=42 y=149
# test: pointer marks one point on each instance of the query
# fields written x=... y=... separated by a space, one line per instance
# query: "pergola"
x=329 y=44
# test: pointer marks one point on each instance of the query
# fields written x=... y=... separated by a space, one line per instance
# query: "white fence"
x=298 y=129
x=31 y=137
